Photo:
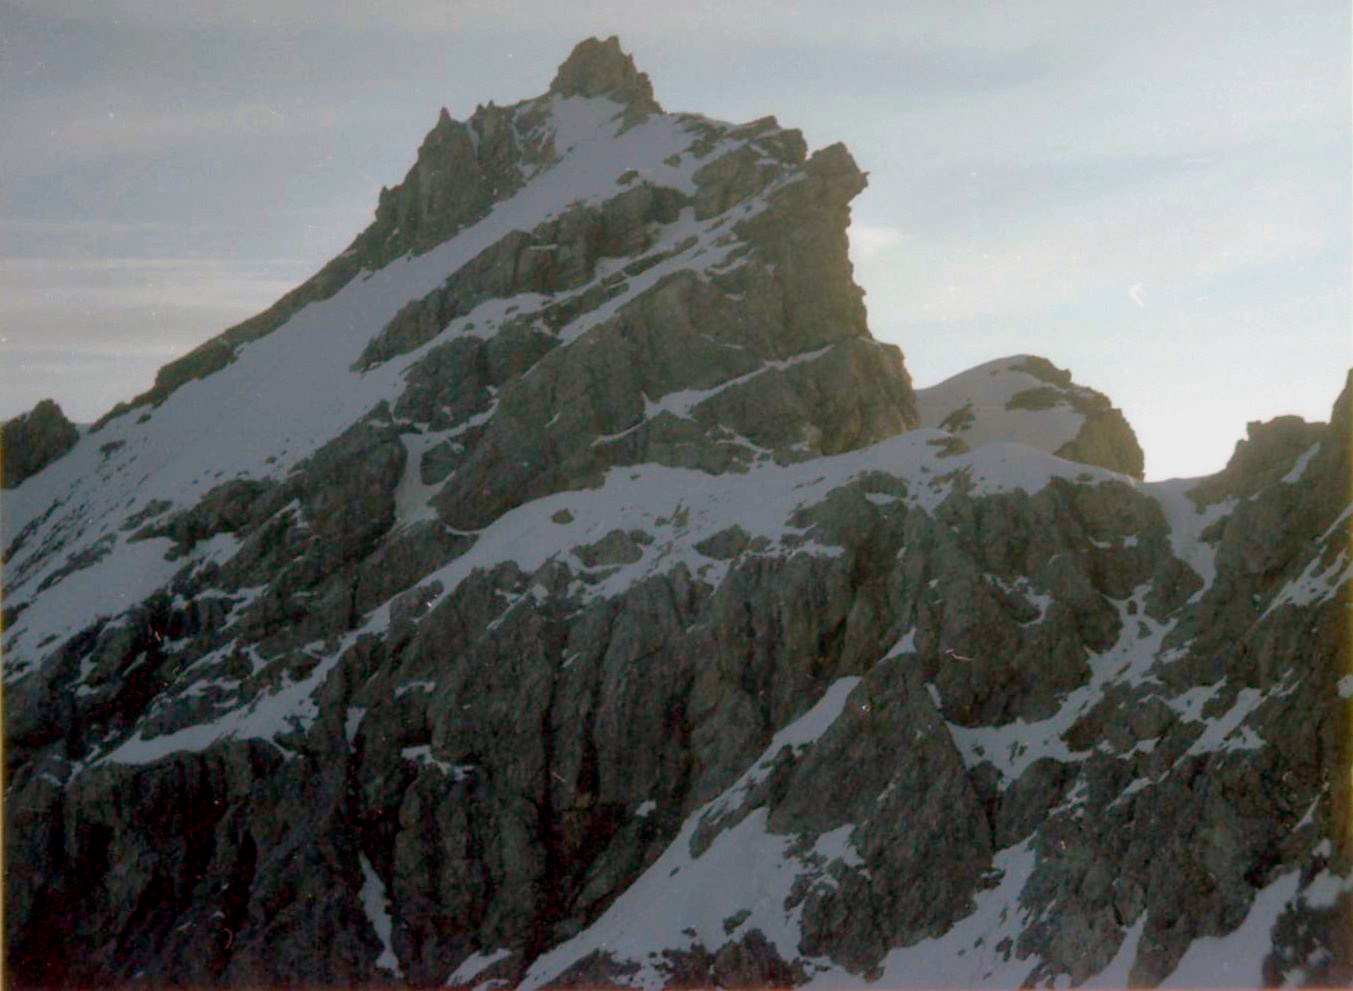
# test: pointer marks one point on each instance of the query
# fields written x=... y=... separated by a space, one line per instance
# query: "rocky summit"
x=563 y=589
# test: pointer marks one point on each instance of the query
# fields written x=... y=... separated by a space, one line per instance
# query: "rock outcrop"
x=578 y=602
x=33 y=440
x=599 y=68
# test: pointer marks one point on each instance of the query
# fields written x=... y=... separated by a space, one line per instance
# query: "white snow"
x=352 y=722
x=1115 y=975
x=802 y=732
x=999 y=467
x=682 y=403
x=291 y=708
x=475 y=964
x=836 y=845
x=1325 y=889
x=1236 y=960
x=744 y=868
x=422 y=754
x=376 y=905
x=1299 y=468
x=425 y=685
x=1187 y=522
x=1317 y=582
x=966 y=956
x=817 y=720
x=985 y=390
x=1339 y=521
x=412 y=493
x=286 y=394
x=1023 y=588
x=1134 y=786
x=654 y=498
x=1191 y=703
x=1308 y=816
x=118 y=581
x=1013 y=747
x=1226 y=732
x=906 y=644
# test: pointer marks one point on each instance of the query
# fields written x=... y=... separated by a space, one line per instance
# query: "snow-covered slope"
x=1001 y=401
x=562 y=588
x=1027 y=400
x=283 y=397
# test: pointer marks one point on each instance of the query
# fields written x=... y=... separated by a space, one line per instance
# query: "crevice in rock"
x=549 y=901
x=238 y=892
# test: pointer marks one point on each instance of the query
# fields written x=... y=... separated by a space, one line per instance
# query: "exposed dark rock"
x=1106 y=439
x=1269 y=452
x=32 y=441
x=600 y=68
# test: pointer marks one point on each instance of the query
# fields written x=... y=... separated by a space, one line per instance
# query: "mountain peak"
x=1026 y=399
x=601 y=68
x=573 y=507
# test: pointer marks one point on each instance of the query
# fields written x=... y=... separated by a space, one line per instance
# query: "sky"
x=1158 y=196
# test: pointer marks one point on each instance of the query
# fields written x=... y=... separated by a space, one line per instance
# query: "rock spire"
x=600 y=68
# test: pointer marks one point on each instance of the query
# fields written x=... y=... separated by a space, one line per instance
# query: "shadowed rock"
x=32 y=441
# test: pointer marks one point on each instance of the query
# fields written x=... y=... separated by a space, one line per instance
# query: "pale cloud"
x=1185 y=233
x=133 y=304
x=869 y=242
x=108 y=121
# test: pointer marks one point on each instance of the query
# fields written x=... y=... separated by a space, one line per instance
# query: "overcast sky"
x=1156 y=195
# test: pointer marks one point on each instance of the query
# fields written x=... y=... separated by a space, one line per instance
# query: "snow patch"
x=984 y=392
x=289 y=709
x=1316 y=583
x=1012 y=747
x=475 y=964
x=906 y=644
x=1325 y=890
x=1187 y=523
x=352 y=722
x=1226 y=732
x=1299 y=468
x=375 y=903
x=969 y=955
x=682 y=900
x=1236 y=959
x=408 y=687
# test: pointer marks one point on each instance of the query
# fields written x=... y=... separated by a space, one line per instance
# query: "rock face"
x=600 y=68
x=32 y=441
x=580 y=604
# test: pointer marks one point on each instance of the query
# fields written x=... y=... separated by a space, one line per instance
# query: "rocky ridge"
x=578 y=601
x=33 y=440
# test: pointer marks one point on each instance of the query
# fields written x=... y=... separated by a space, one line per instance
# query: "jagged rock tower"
x=562 y=587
